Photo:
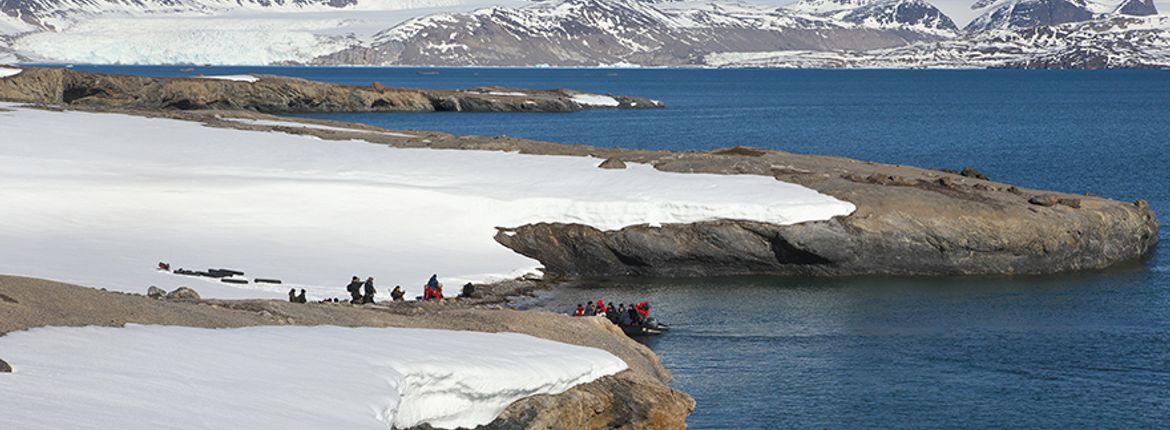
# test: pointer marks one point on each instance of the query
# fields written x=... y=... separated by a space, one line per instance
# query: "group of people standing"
x=620 y=315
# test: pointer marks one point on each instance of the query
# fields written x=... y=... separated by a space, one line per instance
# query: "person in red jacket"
x=600 y=309
x=643 y=310
x=580 y=310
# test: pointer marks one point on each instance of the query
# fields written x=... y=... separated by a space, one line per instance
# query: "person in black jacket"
x=292 y=295
x=397 y=294
x=301 y=298
x=355 y=290
x=368 y=293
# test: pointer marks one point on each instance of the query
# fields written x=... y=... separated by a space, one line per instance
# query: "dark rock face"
x=1030 y=13
x=1137 y=8
x=908 y=221
x=4 y=367
x=911 y=12
x=272 y=94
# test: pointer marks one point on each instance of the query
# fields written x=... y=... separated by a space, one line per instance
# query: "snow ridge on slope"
x=1018 y=14
x=150 y=377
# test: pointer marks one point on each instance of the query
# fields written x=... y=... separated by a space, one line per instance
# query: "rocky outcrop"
x=183 y=293
x=155 y=292
x=4 y=367
x=624 y=401
x=276 y=94
x=908 y=221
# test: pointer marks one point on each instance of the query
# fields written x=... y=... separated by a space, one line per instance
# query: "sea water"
x=1085 y=350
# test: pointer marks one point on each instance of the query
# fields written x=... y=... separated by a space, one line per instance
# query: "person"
x=292 y=295
x=634 y=316
x=580 y=310
x=643 y=310
x=589 y=309
x=434 y=289
x=398 y=294
x=600 y=309
x=369 y=291
x=624 y=318
x=355 y=290
x=612 y=313
x=301 y=298
x=164 y=266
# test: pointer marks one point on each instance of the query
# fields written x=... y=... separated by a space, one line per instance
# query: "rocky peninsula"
x=278 y=94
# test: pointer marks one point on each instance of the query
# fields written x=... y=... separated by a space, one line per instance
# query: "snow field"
x=595 y=100
x=8 y=72
x=154 y=377
x=100 y=202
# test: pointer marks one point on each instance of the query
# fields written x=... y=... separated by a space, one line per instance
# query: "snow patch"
x=6 y=72
x=595 y=100
x=99 y=203
x=273 y=123
x=236 y=78
x=151 y=377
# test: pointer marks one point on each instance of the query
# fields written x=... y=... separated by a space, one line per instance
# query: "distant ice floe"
x=272 y=123
x=237 y=78
x=258 y=378
x=101 y=201
x=595 y=100
x=6 y=72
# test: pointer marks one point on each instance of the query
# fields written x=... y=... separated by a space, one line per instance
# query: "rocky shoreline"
x=278 y=94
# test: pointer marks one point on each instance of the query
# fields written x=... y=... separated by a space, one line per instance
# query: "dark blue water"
x=1076 y=351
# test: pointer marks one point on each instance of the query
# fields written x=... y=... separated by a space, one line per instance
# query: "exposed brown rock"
x=972 y=173
x=612 y=163
x=1071 y=202
x=183 y=293
x=269 y=94
x=1046 y=200
x=740 y=150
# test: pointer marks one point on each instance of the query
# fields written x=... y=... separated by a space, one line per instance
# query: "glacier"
x=279 y=377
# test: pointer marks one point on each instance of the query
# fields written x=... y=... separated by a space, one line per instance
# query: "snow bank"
x=100 y=201
x=595 y=100
x=237 y=78
x=153 y=377
x=271 y=123
x=9 y=71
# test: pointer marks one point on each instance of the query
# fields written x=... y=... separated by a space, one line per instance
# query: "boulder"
x=741 y=151
x=612 y=163
x=4 y=367
x=155 y=292
x=972 y=173
x=1074 y=203
x=1046 y=200
x=183 y=293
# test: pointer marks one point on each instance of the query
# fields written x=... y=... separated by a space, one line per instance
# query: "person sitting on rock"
x=355 y=290
x=368 y=291
x=580 y=310
x=301 y=298
x=600 y=309
x=398 y=294
x=292 y=295
x=589 y=309
x=613 y=313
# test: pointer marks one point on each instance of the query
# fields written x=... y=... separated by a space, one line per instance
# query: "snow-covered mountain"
x=722 y=33
x=1116 y=42
x=607 y=32
x=880 y=13
x=1013 y=14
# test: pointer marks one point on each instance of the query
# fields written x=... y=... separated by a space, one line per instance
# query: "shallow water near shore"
x=1084 y=350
